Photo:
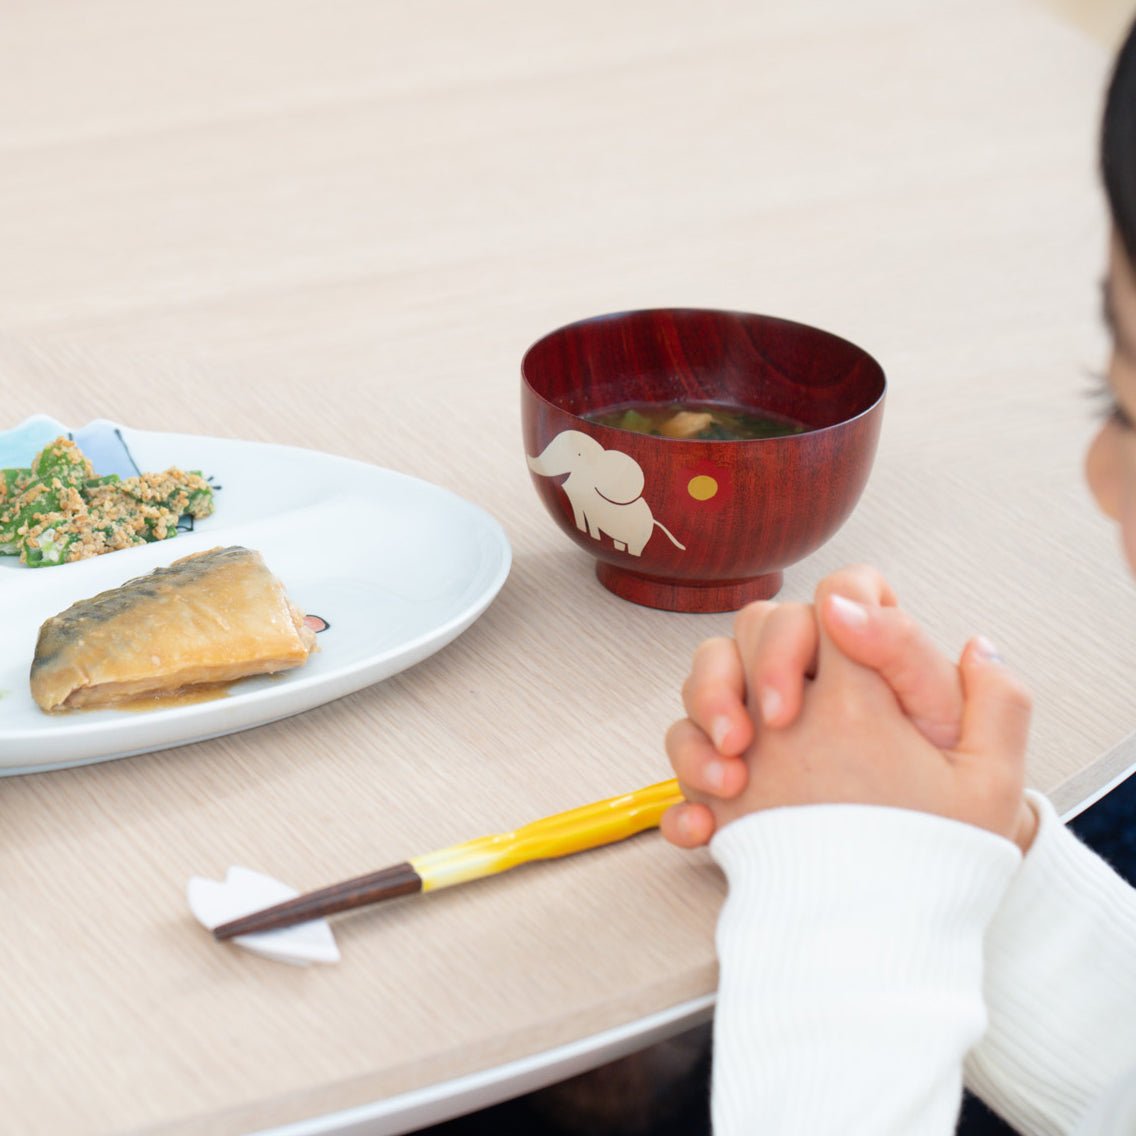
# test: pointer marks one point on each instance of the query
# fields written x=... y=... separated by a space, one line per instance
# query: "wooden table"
x=339 y=226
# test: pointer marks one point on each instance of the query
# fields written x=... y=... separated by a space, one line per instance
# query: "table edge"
x=1071 y=797
x=445 y=1100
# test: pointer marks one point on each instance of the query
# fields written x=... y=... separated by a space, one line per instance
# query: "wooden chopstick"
x=563 y=834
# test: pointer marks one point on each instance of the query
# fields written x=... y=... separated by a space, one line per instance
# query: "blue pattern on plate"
x=19 y=445
x=100 y=441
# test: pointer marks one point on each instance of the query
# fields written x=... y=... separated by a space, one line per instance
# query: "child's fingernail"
x=850 y=613
x=986 y=650
x=771 y=703
x=682 y=822
x=719 y=731
x=715 y=775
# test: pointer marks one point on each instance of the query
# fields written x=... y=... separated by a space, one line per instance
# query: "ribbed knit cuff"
x=850 y=950
x=1060 y=985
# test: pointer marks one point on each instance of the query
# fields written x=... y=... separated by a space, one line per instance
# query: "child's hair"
x=1118 y=145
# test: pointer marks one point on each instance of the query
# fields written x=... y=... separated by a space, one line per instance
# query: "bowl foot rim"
x=687 y=596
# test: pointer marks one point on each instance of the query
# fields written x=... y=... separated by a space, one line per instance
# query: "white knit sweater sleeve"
x=1061 y=992
x=850 y=954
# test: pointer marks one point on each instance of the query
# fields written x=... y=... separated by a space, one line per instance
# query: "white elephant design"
x=604 y=488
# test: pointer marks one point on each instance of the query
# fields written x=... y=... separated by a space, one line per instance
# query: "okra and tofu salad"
x=57 y=510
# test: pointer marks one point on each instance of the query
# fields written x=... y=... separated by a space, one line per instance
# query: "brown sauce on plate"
x=189 y=696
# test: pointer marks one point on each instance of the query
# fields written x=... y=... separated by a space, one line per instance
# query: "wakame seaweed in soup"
x=701 y=421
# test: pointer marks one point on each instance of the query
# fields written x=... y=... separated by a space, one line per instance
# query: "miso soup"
x=696 y=421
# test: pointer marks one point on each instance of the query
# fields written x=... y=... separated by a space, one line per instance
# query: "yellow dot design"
x=702 y=487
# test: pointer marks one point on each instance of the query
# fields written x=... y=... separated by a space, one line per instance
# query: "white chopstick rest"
x=214 y=902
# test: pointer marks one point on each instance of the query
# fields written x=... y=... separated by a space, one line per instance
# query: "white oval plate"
x=397 y=568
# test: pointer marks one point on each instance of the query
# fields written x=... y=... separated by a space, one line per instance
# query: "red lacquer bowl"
x=698 y=526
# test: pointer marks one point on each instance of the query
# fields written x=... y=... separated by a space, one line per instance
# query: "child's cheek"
x=1128 y=531
x=1104 y=472
x=1125 y=496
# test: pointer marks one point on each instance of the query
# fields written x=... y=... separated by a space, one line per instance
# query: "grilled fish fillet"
x=207 y=618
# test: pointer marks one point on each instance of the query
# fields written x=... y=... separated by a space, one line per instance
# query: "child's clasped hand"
x=847 y=701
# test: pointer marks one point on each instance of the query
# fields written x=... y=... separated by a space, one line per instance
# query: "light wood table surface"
x=339 y=226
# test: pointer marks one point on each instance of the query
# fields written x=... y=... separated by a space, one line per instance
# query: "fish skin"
x=219 y=613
